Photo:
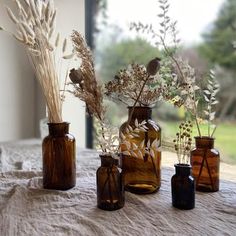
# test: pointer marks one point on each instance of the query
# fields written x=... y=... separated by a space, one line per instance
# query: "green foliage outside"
x=218 y=42
x=117 y=56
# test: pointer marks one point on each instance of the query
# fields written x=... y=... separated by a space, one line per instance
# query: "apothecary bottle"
x=205 y=161
x=142 y=175
x=183 y=187
x=59 y=158
x=110 y=184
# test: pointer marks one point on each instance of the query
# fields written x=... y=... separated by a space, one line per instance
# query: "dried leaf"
x=152 y=153
x=141 y=145
x=207 y=92
x=127 y=153
x=215 y=102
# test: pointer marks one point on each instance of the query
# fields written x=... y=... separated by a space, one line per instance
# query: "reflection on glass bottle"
x=59 y=158
x=110 y=186
x=205 y=161
x=142 y=175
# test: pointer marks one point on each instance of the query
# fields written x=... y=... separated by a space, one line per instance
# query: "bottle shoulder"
x=198 y=151
x=151 y=125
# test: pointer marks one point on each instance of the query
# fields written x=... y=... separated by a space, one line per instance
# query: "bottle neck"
x=204 y=142
x=58 y=129
x=108 y=161
x=182 y=169
x=140 y=113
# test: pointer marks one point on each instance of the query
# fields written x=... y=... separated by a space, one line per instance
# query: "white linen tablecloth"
x=28 y=209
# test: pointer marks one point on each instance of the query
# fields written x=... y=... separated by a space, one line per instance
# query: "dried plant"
x=143 y=149
x=183 y=141
x=179 y=76
x=210 y=98
x=35 y=23
x=133 y=85
x=84 y=82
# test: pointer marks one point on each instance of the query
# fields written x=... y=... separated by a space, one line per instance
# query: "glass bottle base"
x=206 y=188
x=58 y=187
x=142 y=188
x=183 y=207
x=110 y=206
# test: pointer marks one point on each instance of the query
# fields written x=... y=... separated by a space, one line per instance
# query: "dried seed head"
x=76 y=76
x=153 y=66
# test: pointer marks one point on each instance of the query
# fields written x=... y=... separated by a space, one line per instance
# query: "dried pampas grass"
x=35 y=22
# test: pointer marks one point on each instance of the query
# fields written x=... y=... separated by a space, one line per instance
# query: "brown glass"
x=142 y=175
x=110 y=186
x=59 y=157
x=205 y=161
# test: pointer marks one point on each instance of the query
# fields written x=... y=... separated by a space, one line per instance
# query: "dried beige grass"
x=35 y=22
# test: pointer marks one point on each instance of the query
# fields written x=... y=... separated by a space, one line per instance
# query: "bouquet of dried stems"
x=179 y=76
x=86 y=87
x=35 y=23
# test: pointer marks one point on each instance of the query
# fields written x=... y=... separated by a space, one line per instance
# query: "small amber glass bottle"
x=205 y=161
x=183 y=188
x=142 y=175
x=110 y=186
x=59 y=158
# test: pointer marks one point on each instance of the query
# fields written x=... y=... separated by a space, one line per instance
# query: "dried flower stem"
x=137 y=99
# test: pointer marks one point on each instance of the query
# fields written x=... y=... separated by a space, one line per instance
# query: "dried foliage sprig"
x=84 y=82
x=183 y=141
x=35 y=23
x=185 y=92
x=210 y=93
x=129 y=145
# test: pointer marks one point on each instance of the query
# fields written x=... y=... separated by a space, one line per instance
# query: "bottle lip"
x=139 y=107
x=64 y=122
x=184 y=166
x=109 y=159
x=204 y=137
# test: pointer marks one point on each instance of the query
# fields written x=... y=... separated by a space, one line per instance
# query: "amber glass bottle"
x=110 y=185
x=59 y=157
x=183 y=188
x=142 y=175
x=205 y=161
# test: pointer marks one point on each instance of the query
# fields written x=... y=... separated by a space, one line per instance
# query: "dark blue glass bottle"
x=183 y=187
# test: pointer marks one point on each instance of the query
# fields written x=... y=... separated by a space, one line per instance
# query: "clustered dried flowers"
x=35 y=22
x=183 y=141
x=133 y=86
x=184 y=91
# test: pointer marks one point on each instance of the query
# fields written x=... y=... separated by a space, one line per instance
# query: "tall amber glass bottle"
x=59 y=158
x=110 y=185
x=142 y=175
x=205 y=161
